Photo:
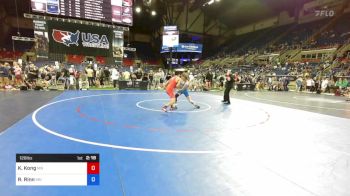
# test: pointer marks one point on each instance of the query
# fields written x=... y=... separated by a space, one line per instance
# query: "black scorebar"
x=118 y=11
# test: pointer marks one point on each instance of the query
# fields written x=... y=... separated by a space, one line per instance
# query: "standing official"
x=228 y=87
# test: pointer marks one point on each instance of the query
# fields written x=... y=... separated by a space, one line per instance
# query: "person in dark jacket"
x=228 y=87
x=4 y=75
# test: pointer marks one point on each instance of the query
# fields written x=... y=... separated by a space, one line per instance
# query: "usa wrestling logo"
x=65 y=37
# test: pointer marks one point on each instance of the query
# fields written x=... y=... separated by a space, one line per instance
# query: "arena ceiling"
x=231 y=13
x=236 y=13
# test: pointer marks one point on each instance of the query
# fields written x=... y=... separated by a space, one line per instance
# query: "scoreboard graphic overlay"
x=57 y=169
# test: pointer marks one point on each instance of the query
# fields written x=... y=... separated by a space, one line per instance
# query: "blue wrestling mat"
x=214 y=150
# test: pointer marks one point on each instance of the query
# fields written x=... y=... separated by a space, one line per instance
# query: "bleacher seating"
x=10 y=55
x=296 y=37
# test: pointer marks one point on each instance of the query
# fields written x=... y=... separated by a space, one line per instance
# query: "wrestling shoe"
x=173 y=108
x=164 y=108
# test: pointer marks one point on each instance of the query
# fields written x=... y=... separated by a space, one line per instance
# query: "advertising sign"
x=71 y=38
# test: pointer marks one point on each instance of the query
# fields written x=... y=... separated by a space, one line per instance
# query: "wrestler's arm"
x=178 y=82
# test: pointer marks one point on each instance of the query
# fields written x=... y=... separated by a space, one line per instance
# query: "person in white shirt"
x=312 y=85
x=324 y=84
x=71 y=75
x=191 y=76
x=126 y=75
x=309 y=84
x=156 y=78
x=95 y=67
x=115 y=76
x=162 y=77
x=269 y=83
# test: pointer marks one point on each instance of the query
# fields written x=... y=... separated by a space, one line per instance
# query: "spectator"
x=53 y=72
x=270 y=83
x=72 y=73
x=145 y=77
x=208 y=80
x=310 y=84
x=65 y=77
x=138 y=74
x=32 y=73
x=11 y=72
x=162 y=77
x=228 y=87
x=101 y=76
x=115 y=77
x=324 y=85
x=90 y=75
x=157 y=77
x=107 y=75
x=342 y=83
x=191 y=76
x=78 y=83
x=221 y=82
x=126 y=75
x=299 y=84
x=4 y=74
x=84 y=81
x=285 y=83
x=18 y=75
x=151 y=78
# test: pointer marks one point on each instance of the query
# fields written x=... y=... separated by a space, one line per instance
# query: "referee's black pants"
x=227 y=94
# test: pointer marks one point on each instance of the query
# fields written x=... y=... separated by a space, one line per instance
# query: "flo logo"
x=325 y=13
x=65 y=37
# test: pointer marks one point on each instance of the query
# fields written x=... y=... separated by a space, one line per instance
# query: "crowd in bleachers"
x=306 y=77
x=14 y=76
x=288 y=37
x=328 y=74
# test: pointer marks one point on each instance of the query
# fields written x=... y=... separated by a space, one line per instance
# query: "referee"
x=228 y=87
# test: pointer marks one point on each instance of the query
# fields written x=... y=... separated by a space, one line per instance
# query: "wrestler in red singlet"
x=170 y=87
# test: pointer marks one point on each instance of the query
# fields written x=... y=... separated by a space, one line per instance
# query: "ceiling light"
x=209 y=2
x=153 y=13
x=138 y=9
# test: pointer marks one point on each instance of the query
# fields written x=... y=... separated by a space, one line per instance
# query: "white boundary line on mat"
x=53 y=132
x=139 y=105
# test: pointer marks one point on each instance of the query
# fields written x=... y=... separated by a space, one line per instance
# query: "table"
x=142 y=85
x=245 y=86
